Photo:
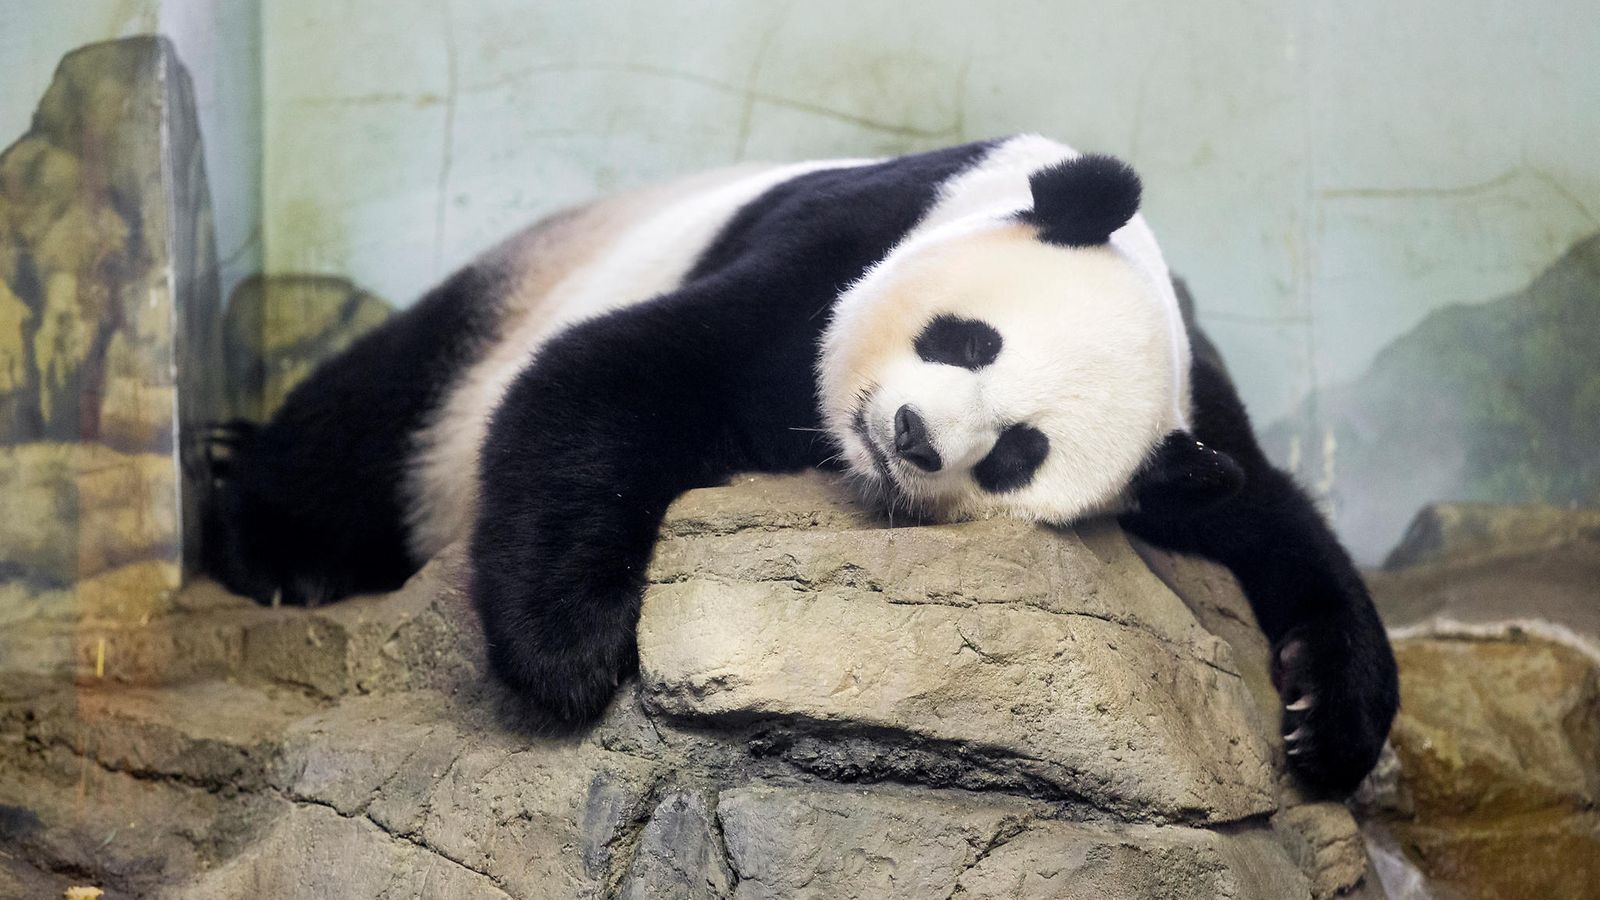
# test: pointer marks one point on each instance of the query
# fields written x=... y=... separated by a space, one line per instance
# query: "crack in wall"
x=947 y=132
x=1008 y=828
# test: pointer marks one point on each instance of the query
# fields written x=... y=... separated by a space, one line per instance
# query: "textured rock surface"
x=109 y=317
x=1495 y=777
x=829 y=708
x=278 y=328
x=894 y=842
x=1493 y=790
x=1019 y=645
x=1445 y=531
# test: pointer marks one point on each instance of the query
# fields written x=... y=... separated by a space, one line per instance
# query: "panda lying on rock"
x=983 y=330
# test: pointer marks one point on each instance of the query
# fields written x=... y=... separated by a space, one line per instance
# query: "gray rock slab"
x=63 y=811
x=1103 y=711
x=1467 y=568
x=1456 y=530
x=839 y=842
x=680 y=854
x=312 y=853
x=213 y=733
x=542 y=816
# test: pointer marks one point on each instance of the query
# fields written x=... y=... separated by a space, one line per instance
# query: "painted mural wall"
x=219 y=44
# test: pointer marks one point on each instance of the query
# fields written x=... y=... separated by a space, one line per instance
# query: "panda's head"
x=1027 y=364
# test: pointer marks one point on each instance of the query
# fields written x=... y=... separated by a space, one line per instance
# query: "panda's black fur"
x=618 y=415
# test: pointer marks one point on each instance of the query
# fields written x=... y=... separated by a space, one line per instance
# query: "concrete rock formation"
x=1493 y=784
x=827 y=707
x=109 y=315
x=279 y=327
x=1488 y=571
x=1455 y=531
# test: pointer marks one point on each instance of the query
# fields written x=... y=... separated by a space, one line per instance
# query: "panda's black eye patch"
x=954 y=341
x=1018 y=454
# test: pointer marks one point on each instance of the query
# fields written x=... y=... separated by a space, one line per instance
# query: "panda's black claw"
x=1339 y=690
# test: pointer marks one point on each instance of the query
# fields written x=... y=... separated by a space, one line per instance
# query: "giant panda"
x=983 y=330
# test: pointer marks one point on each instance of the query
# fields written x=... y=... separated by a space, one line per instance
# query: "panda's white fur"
x=1095 y=354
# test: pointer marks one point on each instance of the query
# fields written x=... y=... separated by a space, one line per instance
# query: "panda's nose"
x=911 y=441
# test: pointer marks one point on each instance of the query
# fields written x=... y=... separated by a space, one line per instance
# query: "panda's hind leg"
x=272 y=531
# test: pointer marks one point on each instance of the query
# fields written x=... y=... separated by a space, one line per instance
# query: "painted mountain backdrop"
x=1497 y=401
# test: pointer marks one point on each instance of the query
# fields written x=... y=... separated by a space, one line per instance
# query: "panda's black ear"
x=1184 y=477
x=1080 y=201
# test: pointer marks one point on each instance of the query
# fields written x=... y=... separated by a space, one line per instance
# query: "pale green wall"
x=1324 y=174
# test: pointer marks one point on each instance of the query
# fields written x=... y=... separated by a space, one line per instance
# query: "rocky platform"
x=1493 y=789
x=826 y=708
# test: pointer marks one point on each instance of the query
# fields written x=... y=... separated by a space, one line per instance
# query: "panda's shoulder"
x=862 y=203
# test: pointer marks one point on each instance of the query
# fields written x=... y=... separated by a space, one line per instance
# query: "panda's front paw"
x=1340 y=690
x=570 y=679
x=563 y=648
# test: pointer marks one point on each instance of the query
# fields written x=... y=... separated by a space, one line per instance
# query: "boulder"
x=827 y=707
x=1494 y=779
x=1455 y=531
x=1491 y=569
x=1028 y=651
x=1492 y=790
x=279 y=327
x=109 y=316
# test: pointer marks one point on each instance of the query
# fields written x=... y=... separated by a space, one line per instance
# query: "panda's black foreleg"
x=308 y=508
x=571 y=495
x=616 y=418
x=1331 y=660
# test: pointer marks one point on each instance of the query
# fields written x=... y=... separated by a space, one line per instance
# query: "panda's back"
x=587 y=261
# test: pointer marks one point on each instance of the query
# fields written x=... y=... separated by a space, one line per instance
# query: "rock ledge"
x=827 y=707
